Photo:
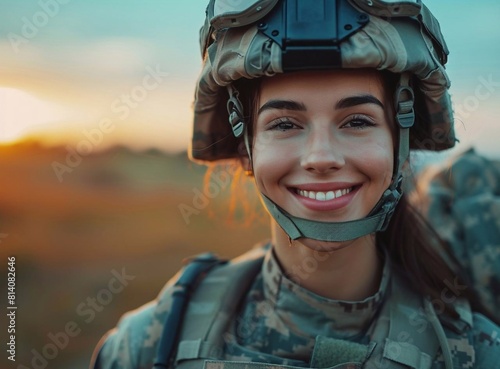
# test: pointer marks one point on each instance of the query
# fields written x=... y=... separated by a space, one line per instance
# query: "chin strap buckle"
x=391 y=197
x=405 y=114
x=235 y=110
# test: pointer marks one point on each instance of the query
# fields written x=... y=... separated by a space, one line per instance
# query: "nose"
x=322 y=152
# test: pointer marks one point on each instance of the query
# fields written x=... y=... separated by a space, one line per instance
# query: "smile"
x=323 y=196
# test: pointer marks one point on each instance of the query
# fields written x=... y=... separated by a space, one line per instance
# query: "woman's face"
x=323 y=147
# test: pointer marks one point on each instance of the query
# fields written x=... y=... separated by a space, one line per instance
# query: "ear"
x=244 y=159
x=246 y=165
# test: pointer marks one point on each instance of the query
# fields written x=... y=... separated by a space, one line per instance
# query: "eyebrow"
x=344 y=103
x=282 y=105
x=351 y=101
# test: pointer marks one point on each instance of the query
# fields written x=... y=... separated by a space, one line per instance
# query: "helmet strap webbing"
x=379 y=217
x=297 y=228
x=405 y=118
x=237 y=120
x=235 y=111
x=246 y=139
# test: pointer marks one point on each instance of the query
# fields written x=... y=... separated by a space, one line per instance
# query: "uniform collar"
x=310 y=314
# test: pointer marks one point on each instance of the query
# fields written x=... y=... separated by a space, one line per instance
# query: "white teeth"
x=324 y=196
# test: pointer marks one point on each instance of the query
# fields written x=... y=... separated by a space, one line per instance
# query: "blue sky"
x=81 y=56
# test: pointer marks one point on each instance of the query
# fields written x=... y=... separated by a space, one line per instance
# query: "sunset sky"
x=69 y=66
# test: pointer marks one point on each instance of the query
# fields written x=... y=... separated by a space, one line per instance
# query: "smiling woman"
x=350 y=277
x=327 y=130
x=21 y=112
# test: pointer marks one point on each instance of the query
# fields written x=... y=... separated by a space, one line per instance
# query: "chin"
x=322 y=246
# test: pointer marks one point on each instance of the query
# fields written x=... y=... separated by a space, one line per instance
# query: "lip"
x=328 y=205
x=324 y=187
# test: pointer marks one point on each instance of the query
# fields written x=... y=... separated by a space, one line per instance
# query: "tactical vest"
x=407 y=332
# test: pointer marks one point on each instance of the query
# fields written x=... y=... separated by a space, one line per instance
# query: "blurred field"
x=117 y=210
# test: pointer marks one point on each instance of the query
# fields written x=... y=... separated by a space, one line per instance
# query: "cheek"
x=378 y=160
x=271 y=161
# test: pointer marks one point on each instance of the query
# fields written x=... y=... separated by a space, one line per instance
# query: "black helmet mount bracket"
x=309 y=32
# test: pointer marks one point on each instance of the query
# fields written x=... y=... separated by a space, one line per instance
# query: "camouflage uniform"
x=279 y=322
x=462 y=202
x=282 y=323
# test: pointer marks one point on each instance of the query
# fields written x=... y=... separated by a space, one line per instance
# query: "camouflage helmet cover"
x=237 y=48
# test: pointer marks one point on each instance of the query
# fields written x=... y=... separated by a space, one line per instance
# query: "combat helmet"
x=247 y=39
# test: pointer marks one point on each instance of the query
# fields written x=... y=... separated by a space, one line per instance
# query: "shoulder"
x=133 y=343
x=462 y=202
x=478 y=346
x=486 y=339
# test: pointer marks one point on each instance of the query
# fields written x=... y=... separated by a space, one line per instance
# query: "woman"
x=324 y=100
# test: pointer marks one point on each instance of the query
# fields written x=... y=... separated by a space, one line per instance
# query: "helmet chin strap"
x=378 y=219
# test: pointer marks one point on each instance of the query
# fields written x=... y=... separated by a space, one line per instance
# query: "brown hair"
x=418 y=255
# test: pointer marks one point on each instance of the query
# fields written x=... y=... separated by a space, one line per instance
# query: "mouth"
x=323 y=195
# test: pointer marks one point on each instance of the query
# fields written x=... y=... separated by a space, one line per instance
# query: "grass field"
x=116 y=211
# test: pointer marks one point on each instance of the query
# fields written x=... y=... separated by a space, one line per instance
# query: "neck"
x=348 y=271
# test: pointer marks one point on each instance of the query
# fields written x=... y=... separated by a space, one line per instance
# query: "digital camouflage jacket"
x=281 y=323
x=461 y=199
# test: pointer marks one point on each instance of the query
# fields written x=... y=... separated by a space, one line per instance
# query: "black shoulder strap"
x=213 y=307
x=183 y=288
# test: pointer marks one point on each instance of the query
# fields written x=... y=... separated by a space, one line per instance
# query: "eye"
x=359 y=122
x=283 y=124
